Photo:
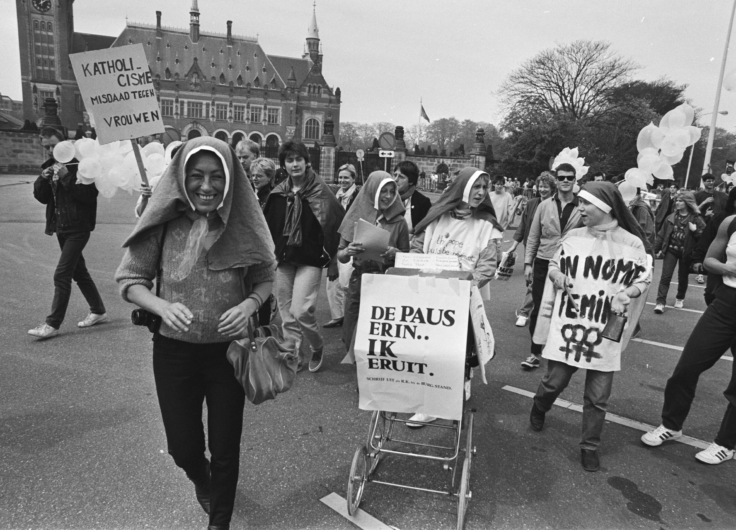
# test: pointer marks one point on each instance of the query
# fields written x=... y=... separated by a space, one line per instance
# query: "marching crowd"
x=226 y=235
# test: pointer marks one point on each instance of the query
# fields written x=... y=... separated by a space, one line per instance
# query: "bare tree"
x=416 y=134
x=572 y=79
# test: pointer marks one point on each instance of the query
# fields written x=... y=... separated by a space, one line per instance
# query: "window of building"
x=239 y=112
x=311 y=129
x=182 y=108
x=222 y=79
x=194 y=109
x=255 y=113
x=220 y=111
x=45 y=94
x=240 y=80
x=256 y=82
x=167 y=74
x=167 y=107
x=43 y=47
x=274 y=115
x=78 y=102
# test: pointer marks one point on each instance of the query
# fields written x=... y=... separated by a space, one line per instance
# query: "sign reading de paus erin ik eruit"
x=117 y=88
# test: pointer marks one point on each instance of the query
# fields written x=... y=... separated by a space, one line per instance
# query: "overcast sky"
x=387 y=54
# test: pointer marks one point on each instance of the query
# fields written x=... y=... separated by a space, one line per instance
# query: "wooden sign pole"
x=139 y=160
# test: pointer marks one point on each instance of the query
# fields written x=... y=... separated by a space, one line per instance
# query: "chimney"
x=229 y=32
x=194 y=22
x=159 y=33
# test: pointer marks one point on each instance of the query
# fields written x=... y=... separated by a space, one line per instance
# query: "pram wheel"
x=358 y=478
x=378 y=434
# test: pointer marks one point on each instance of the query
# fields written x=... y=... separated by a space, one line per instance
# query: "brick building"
x=217 y=84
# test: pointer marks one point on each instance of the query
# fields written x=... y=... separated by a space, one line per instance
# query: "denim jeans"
x=72 y=266
x=539 y=277
x=712 y=336
x=297 y=288
x=186 y=375
x=595 y=398
x=336 y=298
x=669 y=263
x=526 y=308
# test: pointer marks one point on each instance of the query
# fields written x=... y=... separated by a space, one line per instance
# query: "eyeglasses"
x=566 y=177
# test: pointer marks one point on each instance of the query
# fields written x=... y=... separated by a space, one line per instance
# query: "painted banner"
x=117 y=88
x=410 y=344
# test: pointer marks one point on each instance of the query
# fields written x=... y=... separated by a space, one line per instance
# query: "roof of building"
x=286 y=65
x=86 y=42
x=313 y=30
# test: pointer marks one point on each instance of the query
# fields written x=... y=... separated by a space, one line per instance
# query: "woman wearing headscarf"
x=597 y=270
x=675 y=242
x=204 y=232
x=338 y=274
x=462 y=223
x=303 y=216
x=378 y=205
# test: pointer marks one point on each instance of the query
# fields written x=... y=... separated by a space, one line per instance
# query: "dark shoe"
x=316 y=362
x=202 y=491
x=536 y=418
x=334 y=323
x=589 y=459
x=531 y=362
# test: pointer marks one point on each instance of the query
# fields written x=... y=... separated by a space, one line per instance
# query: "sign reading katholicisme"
x=117 y=88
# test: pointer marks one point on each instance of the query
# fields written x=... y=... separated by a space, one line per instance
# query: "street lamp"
x=692 y=147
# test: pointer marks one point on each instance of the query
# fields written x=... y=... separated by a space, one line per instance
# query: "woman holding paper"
x=377 y=205
x=462 y=223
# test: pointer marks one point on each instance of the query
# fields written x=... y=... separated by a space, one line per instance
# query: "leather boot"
x=536 y=418
x=202 y=491
x=589 y=459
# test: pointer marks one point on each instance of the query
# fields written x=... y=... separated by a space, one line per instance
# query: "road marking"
x=361 y=519
x=683 y=309
x=696 y=286
x=613 y=418
x=672 y=347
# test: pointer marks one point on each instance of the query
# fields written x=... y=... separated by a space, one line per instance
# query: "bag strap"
x=159 y=269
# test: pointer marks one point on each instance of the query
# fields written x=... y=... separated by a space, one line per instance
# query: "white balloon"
x=111 y=161
x=671 y=160
x=83 y=180
x=151 y=148
x=64 y=152
x=664 y=172
x=681 y=137
x=125 y=147
x=86 y=148
x=674 y=119
x=628 y=191
x=638 y=177
x=695 y=134
x=644 y=140
x=90 y=168
x=648 y=163
x=118 y=176
x=657 y=138
x=689 y=113
x=106 y=189
x=155 y=164
x=669 y=147
x=647 y=151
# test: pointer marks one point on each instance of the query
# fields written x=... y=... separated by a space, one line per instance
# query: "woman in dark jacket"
x=675 y=242
x=262 y=171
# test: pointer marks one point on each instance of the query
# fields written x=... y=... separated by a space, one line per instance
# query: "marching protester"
x=462 y=223
x=666 y=206
x=704 y=198
x=338 y=274
x=713 y=335
x=579 y=302
x=71 y=212
x=377 y=203
x=546 y=185
x=261 y=172
x=554 y=218
x=406 y=175
x=303 y=216
x=643 y=214
x=204 y=232
x=675 y=242
x=247 y=150
x=503 y=204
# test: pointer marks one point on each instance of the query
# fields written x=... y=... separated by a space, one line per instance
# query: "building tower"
x=194 y=22
x=313 y=41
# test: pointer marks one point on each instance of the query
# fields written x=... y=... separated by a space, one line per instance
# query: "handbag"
x=263 y=366
x=143 y=317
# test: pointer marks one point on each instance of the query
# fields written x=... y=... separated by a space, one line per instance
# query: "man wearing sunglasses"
x=554 y=218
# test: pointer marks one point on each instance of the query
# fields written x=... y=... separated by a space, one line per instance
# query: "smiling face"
x=591 y=214
x=545 y=190
x=387 y=195
x=708 y=185
x=402 y=181
x=205 y=182
x=345 y=179
x=565 y=181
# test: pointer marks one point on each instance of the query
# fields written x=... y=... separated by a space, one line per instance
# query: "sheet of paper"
x=442 y=262
x=373 y=238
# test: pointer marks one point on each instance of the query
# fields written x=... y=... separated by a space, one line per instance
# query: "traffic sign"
x=386 y=154
x=387 y=141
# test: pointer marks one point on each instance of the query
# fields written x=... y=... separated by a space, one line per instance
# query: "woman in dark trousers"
x=713 y=335
x=204 y=231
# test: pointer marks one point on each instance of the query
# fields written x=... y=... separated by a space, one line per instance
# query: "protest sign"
x=438 y=262
x=117 y=88
x=373 y=238
x=410 y=344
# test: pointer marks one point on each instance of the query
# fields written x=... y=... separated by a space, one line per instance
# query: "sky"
x=386 y=55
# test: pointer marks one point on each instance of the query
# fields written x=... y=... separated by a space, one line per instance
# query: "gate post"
x=478 y=154
x=327 y=153
x=400 y=148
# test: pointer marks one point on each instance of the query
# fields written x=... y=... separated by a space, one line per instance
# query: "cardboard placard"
x=439 y=262
x=117 y=88
x=410 y=344
x=373 y=238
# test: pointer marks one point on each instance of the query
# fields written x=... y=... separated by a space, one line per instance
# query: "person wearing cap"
x=599 y=272
x=554 y=218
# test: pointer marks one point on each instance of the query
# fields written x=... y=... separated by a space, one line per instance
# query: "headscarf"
x=607 y=197
x=366 y=205
x=455 y=194
x=323 y=203
x=243 y=238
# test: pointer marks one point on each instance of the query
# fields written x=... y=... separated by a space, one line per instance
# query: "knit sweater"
x=206 y=293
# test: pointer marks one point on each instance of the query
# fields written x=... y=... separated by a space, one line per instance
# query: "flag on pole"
x=422 y=112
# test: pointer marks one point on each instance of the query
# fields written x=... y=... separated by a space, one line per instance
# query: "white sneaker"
x=420 y=417
x=715 y=454
x=659 y=309
x=700 y=279
x=659 y=435
x=92 y=319
x=679 y=303
x=44 y=331
x=521 y=321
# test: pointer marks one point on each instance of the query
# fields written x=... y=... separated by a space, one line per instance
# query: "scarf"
x=344 y=196
x=242 y=239
x=365 y=206
x=323 y=203
x=456 y=193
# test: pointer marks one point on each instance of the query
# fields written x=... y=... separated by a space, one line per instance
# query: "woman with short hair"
x=262 y=171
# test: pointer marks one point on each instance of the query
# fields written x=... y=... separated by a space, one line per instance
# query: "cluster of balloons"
x=112 y=166
x=660 y=147
x=570 y=156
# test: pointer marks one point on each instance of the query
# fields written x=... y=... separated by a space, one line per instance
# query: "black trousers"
x=186 y=375
x=713 y=335
x=72 y=266
x=539 y=277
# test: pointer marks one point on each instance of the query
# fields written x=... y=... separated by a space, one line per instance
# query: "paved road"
x=82 y=445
